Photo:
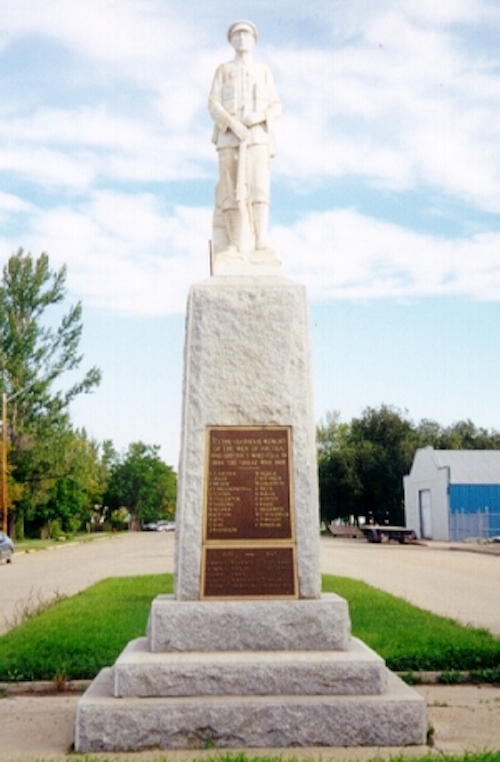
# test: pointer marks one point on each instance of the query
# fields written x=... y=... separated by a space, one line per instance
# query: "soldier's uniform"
x=239 y=88
x=243 y=90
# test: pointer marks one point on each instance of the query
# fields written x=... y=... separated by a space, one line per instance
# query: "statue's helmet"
x=242 y=25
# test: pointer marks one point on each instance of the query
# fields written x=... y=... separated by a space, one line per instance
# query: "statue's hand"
x=239 y=129
x=253 y=118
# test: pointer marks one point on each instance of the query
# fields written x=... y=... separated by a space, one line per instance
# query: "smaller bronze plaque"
x=249 y=572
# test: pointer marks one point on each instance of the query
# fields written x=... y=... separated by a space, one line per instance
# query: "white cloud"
x=48 y=167
x=346 y=255
x=73 y=147
x=405 y=105
x=117 y=32
x=83 y=126
x=124 y=253
x=13 y=204
x=446 y=11
x=347 y=18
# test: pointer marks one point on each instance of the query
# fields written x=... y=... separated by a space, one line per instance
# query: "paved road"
x=465 y=586
x=462 y=585
x=70 y=568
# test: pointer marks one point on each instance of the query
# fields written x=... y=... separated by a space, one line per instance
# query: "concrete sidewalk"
x=461 y=718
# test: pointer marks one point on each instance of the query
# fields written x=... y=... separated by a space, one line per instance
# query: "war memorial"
x=247 y=652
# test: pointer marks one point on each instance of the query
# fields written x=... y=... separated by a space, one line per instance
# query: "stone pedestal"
x=225 y=662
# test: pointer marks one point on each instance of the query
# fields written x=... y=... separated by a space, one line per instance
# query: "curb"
x=41 y=688
x=44 y=688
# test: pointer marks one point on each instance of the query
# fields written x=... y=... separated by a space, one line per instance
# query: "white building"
x=453 y=494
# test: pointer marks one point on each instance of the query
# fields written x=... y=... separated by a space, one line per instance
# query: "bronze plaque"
x=247 y=493
x=249 y=572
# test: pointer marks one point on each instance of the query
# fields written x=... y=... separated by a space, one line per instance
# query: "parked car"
x=6 y=548
x=159 y=526
x=166 y=526
x=152 y=526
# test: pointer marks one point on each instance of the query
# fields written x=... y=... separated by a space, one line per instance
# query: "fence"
x=482 y=525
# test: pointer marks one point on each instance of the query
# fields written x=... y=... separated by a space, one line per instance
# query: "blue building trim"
x=479 y=502
x=470 y=498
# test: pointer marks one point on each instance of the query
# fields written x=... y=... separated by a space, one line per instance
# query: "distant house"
x=453 y=494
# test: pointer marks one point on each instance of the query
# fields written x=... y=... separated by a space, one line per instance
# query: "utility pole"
x=5 y=400
x=4 y=463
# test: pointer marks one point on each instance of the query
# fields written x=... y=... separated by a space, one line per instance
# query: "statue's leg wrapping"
x=232 y=218
x=259 y=193
x=260 y=213
x=228 y=169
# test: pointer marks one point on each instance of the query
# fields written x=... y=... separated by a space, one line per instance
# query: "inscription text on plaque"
x=249 y=538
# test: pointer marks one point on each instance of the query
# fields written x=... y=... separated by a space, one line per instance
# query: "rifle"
x=241 y=177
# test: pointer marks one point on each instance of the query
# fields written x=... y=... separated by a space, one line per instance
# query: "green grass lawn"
x=411 y=639
x=30 y=546
x=77 y=636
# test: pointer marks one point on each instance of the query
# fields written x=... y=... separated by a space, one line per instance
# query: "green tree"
x=339 y=484
x=362 y=464
x=78 y=487
x=35 y=349
x=143 y=483
x=385 y=443
x=340 y=488
x=461 y=435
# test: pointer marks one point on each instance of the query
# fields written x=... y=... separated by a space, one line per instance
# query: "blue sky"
x=385 y=198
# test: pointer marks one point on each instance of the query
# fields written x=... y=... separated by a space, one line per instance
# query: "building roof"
x=470 y=466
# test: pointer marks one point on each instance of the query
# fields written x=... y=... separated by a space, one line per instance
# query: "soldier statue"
x=244 y=105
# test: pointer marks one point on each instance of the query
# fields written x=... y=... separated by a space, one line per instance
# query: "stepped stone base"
x=104 y=723
x=248 y=674
x=138 y=672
